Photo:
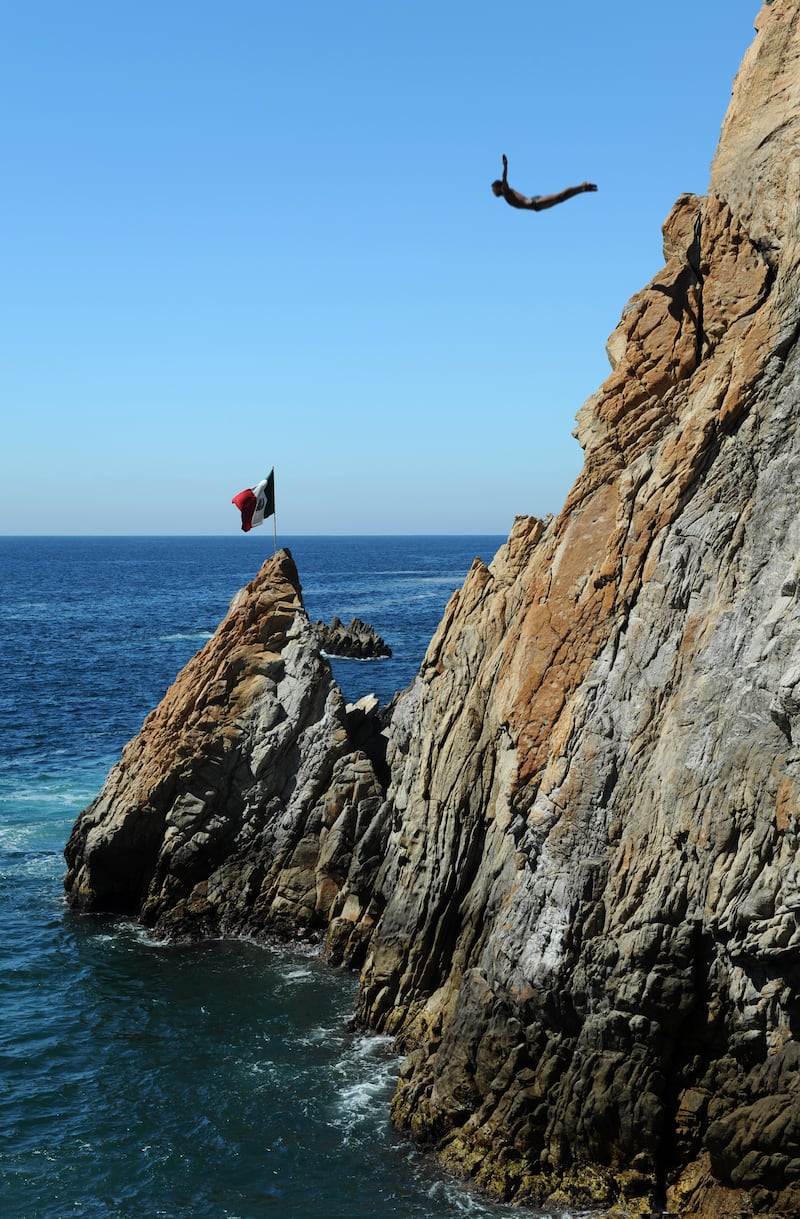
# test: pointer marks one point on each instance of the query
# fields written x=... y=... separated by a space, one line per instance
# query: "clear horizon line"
x=175 y=536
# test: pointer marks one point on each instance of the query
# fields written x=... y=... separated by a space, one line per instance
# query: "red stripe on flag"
x=246 y=502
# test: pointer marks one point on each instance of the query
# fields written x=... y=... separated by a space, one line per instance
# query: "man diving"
x=538 y=202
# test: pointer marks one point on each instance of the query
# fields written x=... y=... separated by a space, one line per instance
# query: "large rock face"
x=591 y=939
x=580 y=900
x=238 y=807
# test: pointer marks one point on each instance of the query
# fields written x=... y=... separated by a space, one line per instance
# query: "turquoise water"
x=140 y=1079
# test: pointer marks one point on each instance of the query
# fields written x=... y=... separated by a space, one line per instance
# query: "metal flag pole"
x=274 y=517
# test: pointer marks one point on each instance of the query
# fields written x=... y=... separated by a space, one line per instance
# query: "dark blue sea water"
x=139 y=1079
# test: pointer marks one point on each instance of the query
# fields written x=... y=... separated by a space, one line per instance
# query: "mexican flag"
x=256 y=503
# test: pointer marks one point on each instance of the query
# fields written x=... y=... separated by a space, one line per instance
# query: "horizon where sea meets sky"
x=252 y=235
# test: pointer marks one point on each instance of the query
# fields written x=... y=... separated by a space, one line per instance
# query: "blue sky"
x=248 y=234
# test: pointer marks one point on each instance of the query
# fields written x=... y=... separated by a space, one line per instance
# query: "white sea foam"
x=186 y=637
x=300 y=973
x=70 y=797
x=359 y=659
x=369 y=1068
x=144 y=937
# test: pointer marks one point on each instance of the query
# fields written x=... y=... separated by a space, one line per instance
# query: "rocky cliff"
x=591 y=936
x=580 y=899
x=246 y=805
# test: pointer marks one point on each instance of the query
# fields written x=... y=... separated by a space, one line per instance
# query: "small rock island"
x=358 y=641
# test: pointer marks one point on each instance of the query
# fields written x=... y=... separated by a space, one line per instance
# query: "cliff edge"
x=591 y=934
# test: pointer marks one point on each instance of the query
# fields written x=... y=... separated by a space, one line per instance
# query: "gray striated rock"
x=238 y=807
x=591 y=937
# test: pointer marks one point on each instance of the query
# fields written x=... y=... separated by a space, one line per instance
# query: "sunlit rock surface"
x=238 y=807
x=591 y=937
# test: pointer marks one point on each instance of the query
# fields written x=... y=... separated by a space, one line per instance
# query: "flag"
x=256 y=503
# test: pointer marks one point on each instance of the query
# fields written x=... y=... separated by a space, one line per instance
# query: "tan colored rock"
x=755 y=167
x=235 y=809
x=591 y=935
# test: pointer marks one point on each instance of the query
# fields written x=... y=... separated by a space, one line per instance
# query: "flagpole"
x=274 y=516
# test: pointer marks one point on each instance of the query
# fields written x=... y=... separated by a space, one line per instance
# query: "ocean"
x=141 y=1079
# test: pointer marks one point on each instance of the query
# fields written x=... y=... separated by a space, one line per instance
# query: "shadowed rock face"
x=239 y=806
x=580 y=900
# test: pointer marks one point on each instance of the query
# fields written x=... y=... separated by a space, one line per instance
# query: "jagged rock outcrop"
x=243 y=806
x=357 y=641
x=591 y=935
